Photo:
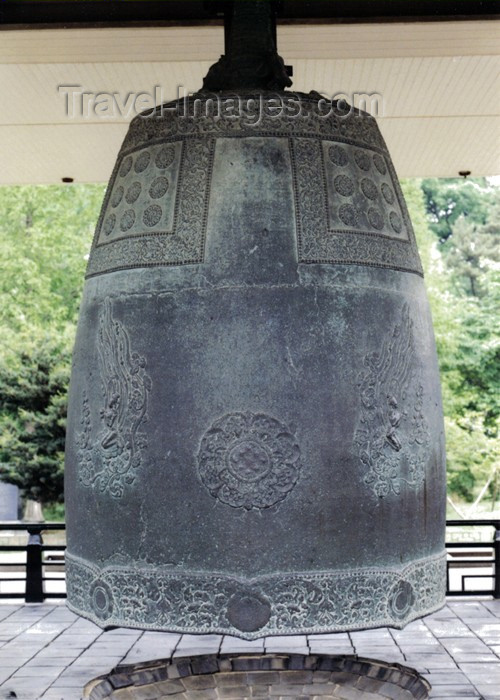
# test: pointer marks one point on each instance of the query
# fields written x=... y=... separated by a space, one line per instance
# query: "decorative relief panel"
x=249 y=460
x=155 y=210
x=393 y=436
x=108 y=461
x=349 y=207
x=301 y=115
x=361 y=197
x=281 y=603
x=142 y=198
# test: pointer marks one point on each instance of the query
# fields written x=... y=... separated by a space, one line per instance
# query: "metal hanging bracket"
x=251 y=60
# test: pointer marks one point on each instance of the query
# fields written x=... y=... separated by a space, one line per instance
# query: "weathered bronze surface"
x=255 y=436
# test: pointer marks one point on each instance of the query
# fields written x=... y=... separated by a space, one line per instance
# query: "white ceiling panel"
x=438 y=88
x=206 y=43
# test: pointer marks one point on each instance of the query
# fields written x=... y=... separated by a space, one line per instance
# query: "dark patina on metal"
x=255 y=436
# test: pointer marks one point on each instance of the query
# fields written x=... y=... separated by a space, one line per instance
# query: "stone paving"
x=48 y=652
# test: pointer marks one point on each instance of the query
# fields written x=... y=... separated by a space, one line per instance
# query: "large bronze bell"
x=255 y=434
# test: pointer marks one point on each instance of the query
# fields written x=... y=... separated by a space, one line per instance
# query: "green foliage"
x=462 y=279
x=448 y=199
x=54 y=512
x=33 y=388
x=45 y=236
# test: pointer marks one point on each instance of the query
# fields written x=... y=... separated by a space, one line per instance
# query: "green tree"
x=463 y=289
x=473 y=251
x=448 y=199
x=33 y=396
x=45 y=237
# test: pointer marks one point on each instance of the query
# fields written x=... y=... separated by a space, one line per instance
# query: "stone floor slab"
x=453 y=691
x=449 y=628
x=49 y=653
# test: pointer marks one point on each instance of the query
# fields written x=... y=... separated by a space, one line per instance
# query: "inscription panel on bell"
x=142 y=199
x=361 y=196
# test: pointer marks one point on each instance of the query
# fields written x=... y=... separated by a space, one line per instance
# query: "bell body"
x=255 y=435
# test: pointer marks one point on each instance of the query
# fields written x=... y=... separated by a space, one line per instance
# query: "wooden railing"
x=469 y=556
x=33 y=564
